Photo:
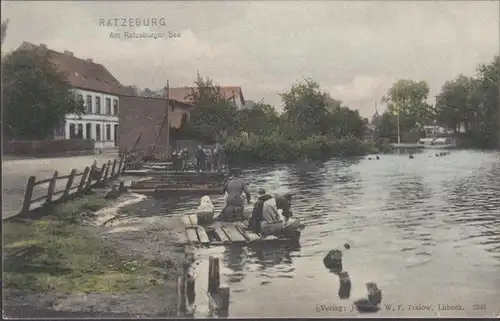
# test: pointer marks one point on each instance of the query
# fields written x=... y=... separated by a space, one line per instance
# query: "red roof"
x=81 y=73
x=182 y=93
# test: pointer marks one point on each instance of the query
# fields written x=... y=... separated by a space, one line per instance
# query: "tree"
x=213 y=117
x=486 y=128
x=408 y=98
x=262 y=119
x=472 y=102
x=454 y=103
x=36 y=96
x=305 y=107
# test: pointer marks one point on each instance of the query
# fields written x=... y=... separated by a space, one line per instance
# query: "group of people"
x=206 y=159
x=266 y=218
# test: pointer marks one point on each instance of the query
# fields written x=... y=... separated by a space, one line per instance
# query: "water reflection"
x=414 y=225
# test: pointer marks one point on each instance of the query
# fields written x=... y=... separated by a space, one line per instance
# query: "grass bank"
x=60 y=254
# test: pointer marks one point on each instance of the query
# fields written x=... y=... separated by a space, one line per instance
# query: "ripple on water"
x=430 y=225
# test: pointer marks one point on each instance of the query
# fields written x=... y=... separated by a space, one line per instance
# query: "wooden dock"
x=165 y=186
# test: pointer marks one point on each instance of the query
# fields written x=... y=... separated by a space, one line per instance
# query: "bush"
x=275 y=148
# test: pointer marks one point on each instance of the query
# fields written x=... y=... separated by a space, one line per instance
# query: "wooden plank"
x=194 y=219
x=202 y=235
x=192 y=235
x=249 y=235
x=222 y=235
x=234 y=235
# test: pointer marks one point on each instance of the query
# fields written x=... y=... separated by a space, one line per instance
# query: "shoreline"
x=133 y=272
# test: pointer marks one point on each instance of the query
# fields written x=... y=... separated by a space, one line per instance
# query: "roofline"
x=97 y=91
x=158 y=98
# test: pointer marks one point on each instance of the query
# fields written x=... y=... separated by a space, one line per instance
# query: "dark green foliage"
x=36 y=96
x=313 y=126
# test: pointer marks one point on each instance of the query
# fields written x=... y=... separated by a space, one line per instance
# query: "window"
x=115 y=106
x=108 y=106
x=80 y=131
x=89 y=104
x=88 y=129
x=116 y=135
x=79 y=98
x=97 y=132
x=97 y=105
x=72 y=130
x=108 y=132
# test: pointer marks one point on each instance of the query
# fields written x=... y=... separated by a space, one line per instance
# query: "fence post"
x=28 y=194
x=69 y=184
x=108 y=166
x=84 y=178
x=181 y=296
x=213 y=275
x=224 y=294
x=101 y=176
x=120 y=167
x=52 y=186
x=113 y=169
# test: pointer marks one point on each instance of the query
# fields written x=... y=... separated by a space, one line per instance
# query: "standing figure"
x=184 y=157
x=235 y=187
x=215 y=156
x=175 y=160
x=200 y=159
x=210 y=159
x=222 y=158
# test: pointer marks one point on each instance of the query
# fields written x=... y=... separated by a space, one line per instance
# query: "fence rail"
x=76 y=184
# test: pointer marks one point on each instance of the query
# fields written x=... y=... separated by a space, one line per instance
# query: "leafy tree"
x=36 y=96
x=455 y=104
x=386 y=125
x=306 y=108
x=213 y=117
x=408 y=98
x=261 y=119
x=472 y=102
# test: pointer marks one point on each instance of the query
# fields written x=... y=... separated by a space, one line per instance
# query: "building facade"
x=98 y=90
x=100 y=123
x=146 y=120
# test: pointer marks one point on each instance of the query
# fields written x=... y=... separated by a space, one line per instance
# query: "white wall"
x=96 y=117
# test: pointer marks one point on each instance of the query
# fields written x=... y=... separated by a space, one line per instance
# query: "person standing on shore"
x=222 y=158
x=215 y=156
x=184 y=159
x=210 y=159
x=200 y=159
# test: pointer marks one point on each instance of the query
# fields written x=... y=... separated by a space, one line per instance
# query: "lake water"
x=426 y=230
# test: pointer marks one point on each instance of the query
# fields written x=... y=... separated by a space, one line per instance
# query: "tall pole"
x=399 y=136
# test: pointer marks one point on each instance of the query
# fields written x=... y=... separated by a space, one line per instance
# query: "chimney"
x=43 y=46
x=90 y=60
x=68 y=53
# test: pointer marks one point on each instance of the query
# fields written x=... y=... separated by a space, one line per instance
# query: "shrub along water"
x=276 y=149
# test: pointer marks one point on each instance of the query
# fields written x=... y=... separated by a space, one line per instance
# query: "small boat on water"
x=438 y=143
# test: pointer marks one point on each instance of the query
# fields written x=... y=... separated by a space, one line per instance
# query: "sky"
x=354 y=49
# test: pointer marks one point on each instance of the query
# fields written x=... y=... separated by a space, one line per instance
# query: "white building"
x=97 y=88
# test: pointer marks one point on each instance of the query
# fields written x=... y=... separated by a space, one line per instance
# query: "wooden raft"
x=219 y=233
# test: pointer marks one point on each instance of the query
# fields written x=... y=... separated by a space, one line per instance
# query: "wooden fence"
x=76 y=184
